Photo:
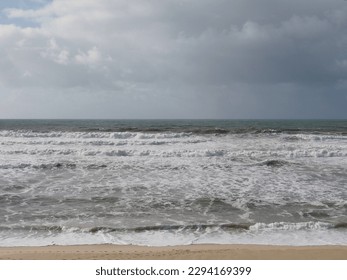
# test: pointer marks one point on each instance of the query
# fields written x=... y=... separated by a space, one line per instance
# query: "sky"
x=173 y=59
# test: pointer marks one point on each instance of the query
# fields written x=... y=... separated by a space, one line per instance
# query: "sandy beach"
x=193 y=252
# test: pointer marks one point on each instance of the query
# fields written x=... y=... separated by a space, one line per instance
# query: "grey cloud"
x=186 y=58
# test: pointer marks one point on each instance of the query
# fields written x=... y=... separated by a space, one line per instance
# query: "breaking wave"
x=282 y=226
x=296 y=226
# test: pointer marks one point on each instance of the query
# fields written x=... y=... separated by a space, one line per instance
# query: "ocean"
x=173 y=182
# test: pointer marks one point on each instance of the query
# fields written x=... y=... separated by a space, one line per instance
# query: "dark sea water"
x=168 y=182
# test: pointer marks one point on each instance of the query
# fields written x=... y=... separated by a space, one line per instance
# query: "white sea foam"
x=73 y=236
x=288 y=186
x=291 y=226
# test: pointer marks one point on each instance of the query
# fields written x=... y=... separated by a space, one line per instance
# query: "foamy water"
x=173 y=182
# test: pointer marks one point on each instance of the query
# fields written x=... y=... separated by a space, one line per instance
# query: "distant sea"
x=173 y=182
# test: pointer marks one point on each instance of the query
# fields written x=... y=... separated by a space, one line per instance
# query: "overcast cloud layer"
x=173 y=59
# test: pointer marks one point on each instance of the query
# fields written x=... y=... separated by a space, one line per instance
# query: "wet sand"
x=189 y=252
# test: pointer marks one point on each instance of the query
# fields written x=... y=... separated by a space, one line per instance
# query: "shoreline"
x=183 y=252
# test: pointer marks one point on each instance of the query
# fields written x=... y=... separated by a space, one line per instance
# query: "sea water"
x=173 y=182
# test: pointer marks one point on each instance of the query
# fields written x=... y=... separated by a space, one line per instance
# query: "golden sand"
x=189 y=252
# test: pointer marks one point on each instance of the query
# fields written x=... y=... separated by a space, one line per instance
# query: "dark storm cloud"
x=235 y=58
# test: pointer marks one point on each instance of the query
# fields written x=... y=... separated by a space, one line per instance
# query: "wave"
x=106 y=229
x=274 y=159
x=197 y=127
x=288 y=134
x=296 y=226
x=282 y=226
x=309 y=152
x=274 y=163
x=92 y=135
x=53 y=166
x=119 y=153
x=45 y=228
x=44 y=166
x=194 y=227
